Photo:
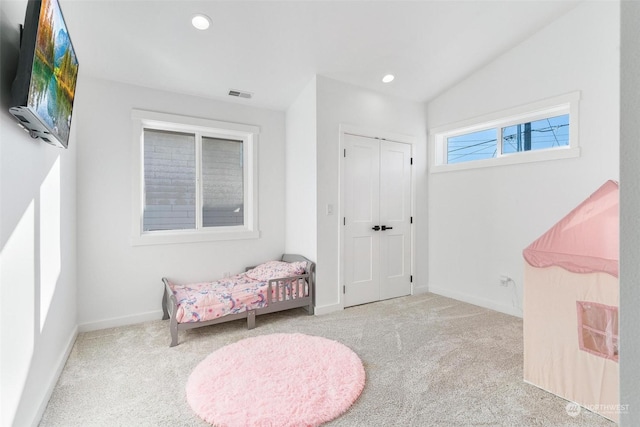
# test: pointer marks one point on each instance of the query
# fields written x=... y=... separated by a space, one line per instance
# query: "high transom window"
x=542 y=134
x=544 y=130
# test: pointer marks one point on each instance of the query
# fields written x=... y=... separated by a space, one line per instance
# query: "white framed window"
x=544 y=130
x=194 y=179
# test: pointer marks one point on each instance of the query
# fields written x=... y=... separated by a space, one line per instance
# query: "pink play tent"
x=571 y=305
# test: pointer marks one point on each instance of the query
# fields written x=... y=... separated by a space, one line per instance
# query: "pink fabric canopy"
x=584 y=241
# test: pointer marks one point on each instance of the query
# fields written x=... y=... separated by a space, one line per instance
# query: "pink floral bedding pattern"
x=199 y=302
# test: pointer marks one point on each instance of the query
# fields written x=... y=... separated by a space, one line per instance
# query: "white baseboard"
x=326 y=309
x=53 y=380
x=417 y=290
x=318 y=310
x=157 y=314
x=475 y=300
x=120 y=321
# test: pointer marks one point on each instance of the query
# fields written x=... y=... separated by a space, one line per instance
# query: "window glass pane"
x=222 y=183
x=472 y=146
x=537 y=135
x=169 y=181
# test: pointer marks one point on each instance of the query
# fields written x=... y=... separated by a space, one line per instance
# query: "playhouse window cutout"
x=598 y=329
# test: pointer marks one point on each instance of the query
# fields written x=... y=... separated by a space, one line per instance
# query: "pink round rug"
x=276 y=380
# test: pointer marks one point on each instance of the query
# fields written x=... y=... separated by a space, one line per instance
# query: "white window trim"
x=559 y=105
x=204 y=127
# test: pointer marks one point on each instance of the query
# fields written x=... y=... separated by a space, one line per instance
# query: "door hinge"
x=411 y=220
x=412 y=160
x=345 y=153
x=411 y=279
x=344 y=220
x=344 y=289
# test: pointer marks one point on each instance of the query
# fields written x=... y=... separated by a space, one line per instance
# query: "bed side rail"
x=293 y=287
x=288 y=288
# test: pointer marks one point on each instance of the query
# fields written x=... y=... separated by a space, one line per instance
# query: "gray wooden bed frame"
x=277 y=301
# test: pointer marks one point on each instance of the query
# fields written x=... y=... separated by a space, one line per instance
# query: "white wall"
x=339 y=103
x=301 y=180
x=38 y=258
x=481 y=220
x=629 y=208
x=119 y=283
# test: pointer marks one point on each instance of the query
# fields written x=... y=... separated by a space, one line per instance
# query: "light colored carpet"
x=429 y=361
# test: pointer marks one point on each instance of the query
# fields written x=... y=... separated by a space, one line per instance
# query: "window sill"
x=510 y=159
x=191 y=236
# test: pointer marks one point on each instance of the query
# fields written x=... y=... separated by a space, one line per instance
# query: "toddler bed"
x=267 y=288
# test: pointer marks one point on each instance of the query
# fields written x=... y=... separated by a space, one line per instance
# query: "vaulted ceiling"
x=273 y=48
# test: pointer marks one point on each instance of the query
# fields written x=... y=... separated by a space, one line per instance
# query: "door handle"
x=376 y=228
x=384 y=227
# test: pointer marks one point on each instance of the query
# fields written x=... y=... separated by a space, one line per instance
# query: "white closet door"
x=362 y=214
x=377 y=229
x=395 y=216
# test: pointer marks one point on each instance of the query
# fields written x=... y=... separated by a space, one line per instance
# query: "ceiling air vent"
x=240 y=94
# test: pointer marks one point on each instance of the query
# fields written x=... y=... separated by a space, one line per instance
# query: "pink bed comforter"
x=199 y=302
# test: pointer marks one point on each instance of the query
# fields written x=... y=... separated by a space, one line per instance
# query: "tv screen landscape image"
x=50 y=68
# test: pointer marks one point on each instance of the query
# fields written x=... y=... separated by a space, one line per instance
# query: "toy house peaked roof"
x=584 y=241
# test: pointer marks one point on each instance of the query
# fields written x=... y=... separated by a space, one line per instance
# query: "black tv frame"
x=26 y=116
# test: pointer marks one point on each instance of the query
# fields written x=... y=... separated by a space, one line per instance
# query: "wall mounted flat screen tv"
x=44 y=88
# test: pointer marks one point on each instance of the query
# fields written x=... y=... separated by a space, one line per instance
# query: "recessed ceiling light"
x=388 y=78
x=200 y=21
